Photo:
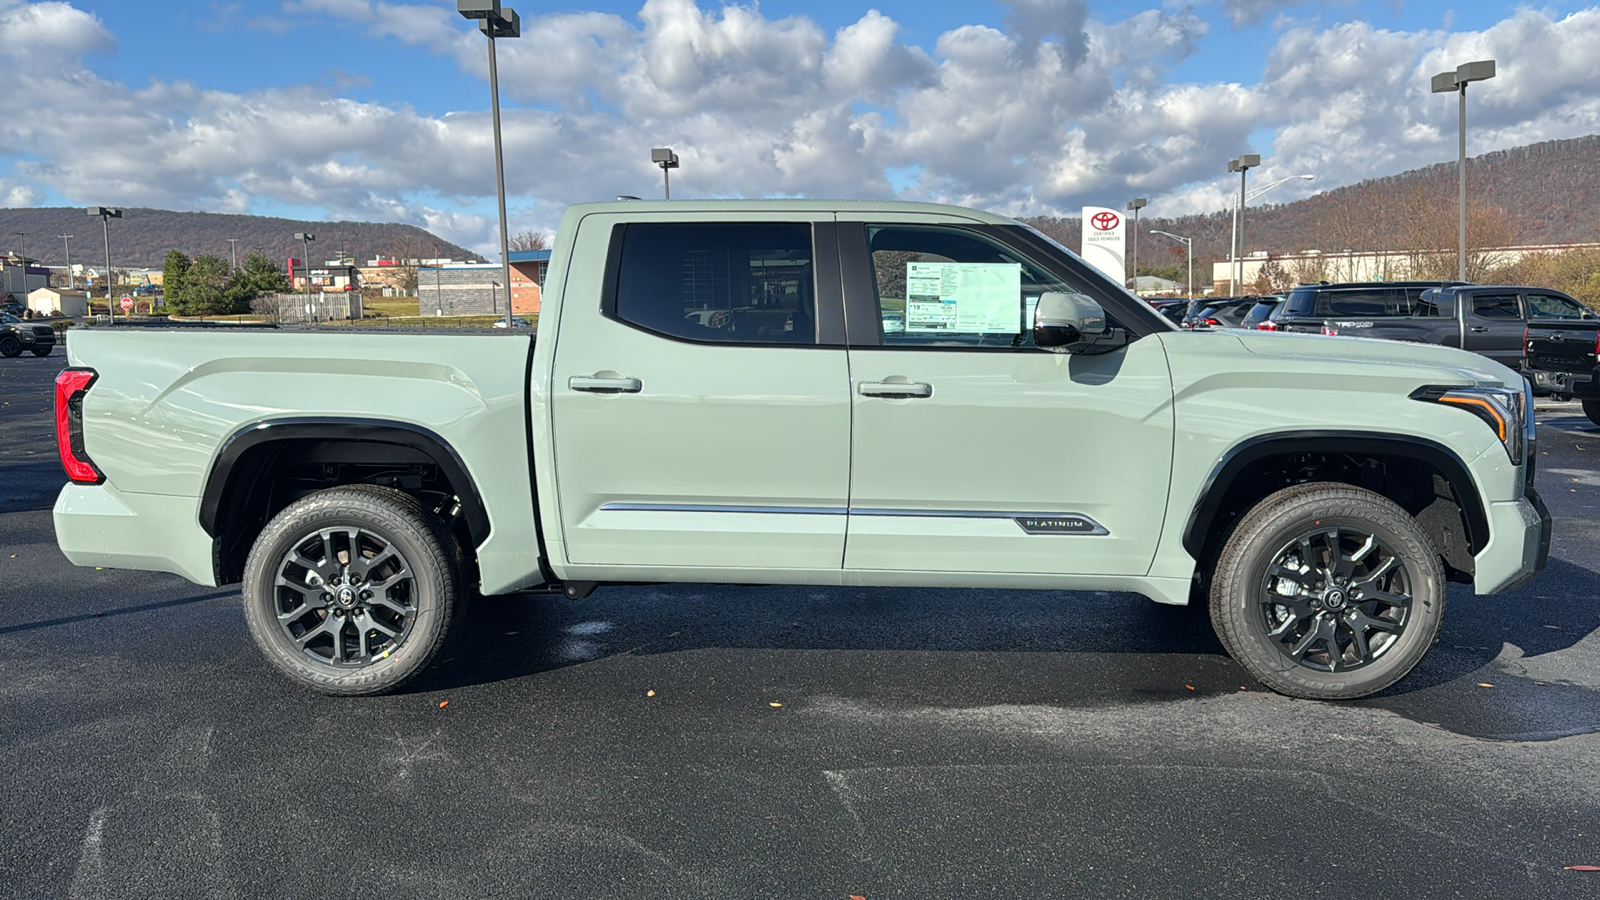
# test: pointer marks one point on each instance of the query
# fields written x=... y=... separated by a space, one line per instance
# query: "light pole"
x=66 y=241
x=22 y=251
x=106 y=214
x=1135 y=205
x=494 y=299
x=305 y=240
x=233 y=251
x=1241 y=165
x=1238 y=215
x=496 y=22
x=666 y=159
x=1188 y=252
x=1443 y=83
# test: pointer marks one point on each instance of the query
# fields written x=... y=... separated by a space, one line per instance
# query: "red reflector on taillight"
x=1268 y=325
x=1330 y=330
x=71 y=385
x=1211 y=322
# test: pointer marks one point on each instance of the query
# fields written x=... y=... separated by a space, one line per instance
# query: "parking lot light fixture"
x=666 y=159
x=66 y=243
x=1241 y=165
x=1188 y=252
x=496 y=21
x=305 y=240
x=107 y=213
x=1457 y=81
x=1135 y=205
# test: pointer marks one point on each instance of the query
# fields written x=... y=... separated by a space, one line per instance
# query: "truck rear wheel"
x=352 y=590
x=43 y=351
x=1591 y=408
x=1328 y=592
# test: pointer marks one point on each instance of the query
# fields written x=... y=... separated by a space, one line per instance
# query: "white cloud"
x=1058 y=109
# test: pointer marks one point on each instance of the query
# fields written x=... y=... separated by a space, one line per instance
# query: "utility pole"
x=233 y=250
x=22 y=251
x=66 y=241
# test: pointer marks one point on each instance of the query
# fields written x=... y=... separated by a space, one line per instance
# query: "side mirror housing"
x=1073 y=323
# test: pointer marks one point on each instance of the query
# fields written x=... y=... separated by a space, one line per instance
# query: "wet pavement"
x=696 y=740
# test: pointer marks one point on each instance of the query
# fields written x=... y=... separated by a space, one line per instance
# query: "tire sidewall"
x=1239 y=611
x=433 y=591
x=10 y=346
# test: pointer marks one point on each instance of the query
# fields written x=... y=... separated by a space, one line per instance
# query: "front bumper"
x=1519 y=545
x=98 y=525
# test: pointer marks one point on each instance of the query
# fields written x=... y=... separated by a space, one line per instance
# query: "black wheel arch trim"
x=1255 y=449
x=376 y=431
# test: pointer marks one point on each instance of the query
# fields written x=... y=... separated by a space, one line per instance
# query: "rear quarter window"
x=1355 y=302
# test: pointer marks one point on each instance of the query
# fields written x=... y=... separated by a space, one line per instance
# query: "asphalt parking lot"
x=717 y=741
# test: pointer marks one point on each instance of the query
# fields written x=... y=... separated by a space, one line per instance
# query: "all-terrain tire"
x=352 y=590
x=43 y=351
x=10 y=346
x=1328 y=592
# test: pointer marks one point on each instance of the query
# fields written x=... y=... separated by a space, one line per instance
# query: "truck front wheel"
x=352 y=590
x=1591 y=408
x=1328 y=592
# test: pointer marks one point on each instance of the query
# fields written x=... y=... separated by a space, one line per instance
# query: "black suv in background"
x=17 y=336
x=1309 y=305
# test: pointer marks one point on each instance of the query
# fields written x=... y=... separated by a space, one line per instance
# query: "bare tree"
x=527 y=240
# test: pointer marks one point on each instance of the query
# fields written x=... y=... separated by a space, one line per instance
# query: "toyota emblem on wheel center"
x=1105 y=221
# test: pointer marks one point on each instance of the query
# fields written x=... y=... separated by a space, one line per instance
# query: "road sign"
x=127 y=303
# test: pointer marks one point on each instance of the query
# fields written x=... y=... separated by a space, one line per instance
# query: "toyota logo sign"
x=1105 y=221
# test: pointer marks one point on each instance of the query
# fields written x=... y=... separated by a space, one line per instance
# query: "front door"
x=700 y=400
x=975 y=451
x=1494 y=325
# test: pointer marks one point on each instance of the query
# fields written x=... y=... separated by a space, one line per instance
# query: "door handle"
x=896 y=389
x=1478 y=329
x=597 y=384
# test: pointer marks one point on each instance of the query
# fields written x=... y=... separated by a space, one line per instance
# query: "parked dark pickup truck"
x=17 y=336
x=1486 y=319
x=1561 y=359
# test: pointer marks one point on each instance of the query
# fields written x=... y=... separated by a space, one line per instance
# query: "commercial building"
x=47 y=301
x=1308 y=266
x=461 y=289
x=528 y=270
x=18 y=277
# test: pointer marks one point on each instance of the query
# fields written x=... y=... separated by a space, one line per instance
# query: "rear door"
x=700 y=399
x=975 y=451
x=1493 y=324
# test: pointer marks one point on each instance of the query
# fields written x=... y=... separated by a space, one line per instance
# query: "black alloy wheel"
x=344 y=596
x=352 y=590
x=1327 y=591
x=43 y=351
x=1335 y=599
x=10 y=346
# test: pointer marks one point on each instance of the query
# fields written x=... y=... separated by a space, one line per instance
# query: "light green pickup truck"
x=792 y=392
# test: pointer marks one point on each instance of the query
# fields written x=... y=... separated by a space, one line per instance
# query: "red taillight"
x=1268 y=325
x=1211 y=323
x=1330 y=330
x=71 y=385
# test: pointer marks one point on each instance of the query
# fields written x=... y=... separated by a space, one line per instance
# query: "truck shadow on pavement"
x=992 y=647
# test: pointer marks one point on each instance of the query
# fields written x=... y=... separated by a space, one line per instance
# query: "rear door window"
x=1496 y=306
x=719 y=282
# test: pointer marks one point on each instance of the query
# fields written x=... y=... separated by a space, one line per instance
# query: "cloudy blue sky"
x=361 y=109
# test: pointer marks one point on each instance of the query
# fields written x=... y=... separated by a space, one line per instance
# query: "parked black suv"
x=17 y=336
x=1309 y=305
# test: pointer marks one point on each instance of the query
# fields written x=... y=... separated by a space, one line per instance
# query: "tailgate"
x=1561 y=348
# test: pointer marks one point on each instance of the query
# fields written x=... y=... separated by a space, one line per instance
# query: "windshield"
x=9 y=319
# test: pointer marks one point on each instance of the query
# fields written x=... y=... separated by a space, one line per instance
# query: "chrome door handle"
x=1478 y=329
x=598 y=385
x=896 y=389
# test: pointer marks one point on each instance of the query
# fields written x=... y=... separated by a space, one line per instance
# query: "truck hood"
x=1440 y=365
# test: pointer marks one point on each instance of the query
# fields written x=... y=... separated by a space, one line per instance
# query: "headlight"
x=1503 y=409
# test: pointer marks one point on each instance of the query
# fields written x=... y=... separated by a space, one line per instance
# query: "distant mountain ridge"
x=1545 y=193
x=142 y=237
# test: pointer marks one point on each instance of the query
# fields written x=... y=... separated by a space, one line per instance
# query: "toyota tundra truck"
x=712 y=395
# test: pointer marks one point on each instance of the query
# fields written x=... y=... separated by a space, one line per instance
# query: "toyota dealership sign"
x=1105 y=242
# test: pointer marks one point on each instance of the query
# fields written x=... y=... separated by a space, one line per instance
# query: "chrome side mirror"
x=1067 y=323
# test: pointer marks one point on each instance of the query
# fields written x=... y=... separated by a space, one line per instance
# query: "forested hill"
x=142 y=237
x=1547 y=193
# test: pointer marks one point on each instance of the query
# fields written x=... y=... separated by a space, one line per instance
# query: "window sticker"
x=963 y=298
